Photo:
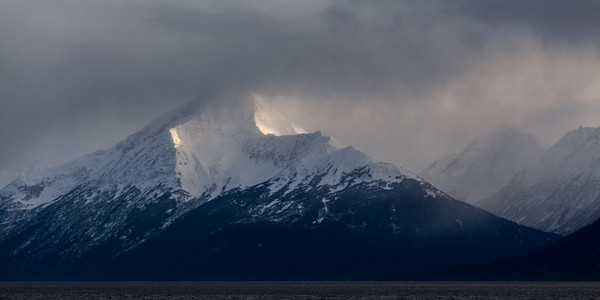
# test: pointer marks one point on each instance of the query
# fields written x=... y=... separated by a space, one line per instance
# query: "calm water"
x=300 y=290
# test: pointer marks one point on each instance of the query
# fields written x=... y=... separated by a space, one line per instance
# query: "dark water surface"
x=301 y=290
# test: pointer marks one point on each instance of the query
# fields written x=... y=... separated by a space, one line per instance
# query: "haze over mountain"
x=485 y=165
x=6 y=177
x=406 y=81
x=558 y=193
x=227 y=189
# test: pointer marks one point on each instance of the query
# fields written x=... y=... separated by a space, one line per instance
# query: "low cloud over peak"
x=407 y=81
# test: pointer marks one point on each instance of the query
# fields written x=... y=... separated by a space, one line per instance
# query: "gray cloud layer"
x=407 y=81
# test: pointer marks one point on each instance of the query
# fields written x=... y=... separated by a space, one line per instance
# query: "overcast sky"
x=406 y=81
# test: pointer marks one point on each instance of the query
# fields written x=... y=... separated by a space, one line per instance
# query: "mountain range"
x=509 y=174
x=229 y=190
x=484 y=166
x=560 y=192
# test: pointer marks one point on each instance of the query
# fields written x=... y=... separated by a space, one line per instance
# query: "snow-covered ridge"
x=576 y=153
x=202 y=150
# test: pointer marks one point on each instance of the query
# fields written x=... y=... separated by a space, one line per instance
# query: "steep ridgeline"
x=559 y=193
x=484 y=166
x=229 y=190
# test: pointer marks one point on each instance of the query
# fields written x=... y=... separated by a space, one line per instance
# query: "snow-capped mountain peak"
x=233 y=146
x=201 y=148
x=191 y=156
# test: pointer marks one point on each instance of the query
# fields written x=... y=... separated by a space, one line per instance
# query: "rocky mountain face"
x=558 y=193
x=484 y=166
x=229 y=190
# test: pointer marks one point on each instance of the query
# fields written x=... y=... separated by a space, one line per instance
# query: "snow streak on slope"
x=561 y=192
x=484 y=166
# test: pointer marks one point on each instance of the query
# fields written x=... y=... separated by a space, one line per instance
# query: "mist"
x=406 y=81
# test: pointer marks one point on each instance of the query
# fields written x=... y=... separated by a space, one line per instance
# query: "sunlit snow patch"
x=272 y=122
x=175 y=137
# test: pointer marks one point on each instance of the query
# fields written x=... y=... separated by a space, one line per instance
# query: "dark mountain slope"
x=369 y=234
x=573 y=258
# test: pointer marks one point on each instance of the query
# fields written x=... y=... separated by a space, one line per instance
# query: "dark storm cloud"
x=571 y=21
x=336 y=50
x=405 y=80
